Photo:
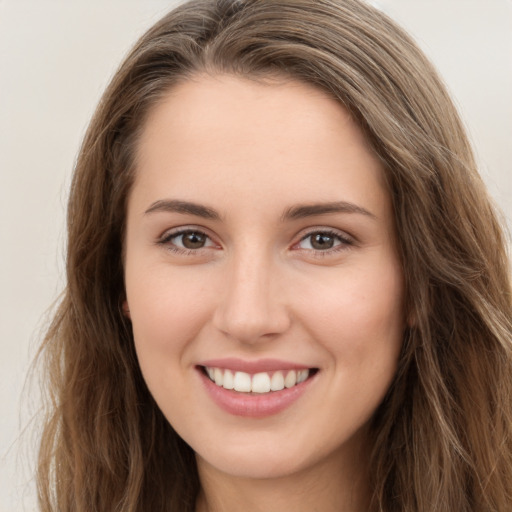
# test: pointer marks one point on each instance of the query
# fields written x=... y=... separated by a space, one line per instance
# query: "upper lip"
x=257 y=366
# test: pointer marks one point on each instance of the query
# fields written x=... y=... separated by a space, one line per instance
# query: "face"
x=262 y=279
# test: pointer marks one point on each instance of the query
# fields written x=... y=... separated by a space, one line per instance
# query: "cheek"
x=360 y=316
x=167 y=310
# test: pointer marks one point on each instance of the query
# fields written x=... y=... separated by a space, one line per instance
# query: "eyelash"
x=166 y=240
x=345 y=242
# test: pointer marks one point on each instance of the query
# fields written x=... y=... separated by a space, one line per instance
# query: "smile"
x=262 y=382
x=255 y=389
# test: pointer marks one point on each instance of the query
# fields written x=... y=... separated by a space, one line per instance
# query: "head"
x=447 y=241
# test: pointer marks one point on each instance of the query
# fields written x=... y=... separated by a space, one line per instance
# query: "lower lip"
x=254 y=405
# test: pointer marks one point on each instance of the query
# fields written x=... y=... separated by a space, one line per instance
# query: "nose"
x=252 y=306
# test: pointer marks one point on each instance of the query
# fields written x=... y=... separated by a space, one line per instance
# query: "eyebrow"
x=177 y=206
x=292 y=213
x=310 y=210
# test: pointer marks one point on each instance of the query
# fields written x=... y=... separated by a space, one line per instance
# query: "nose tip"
x=251 y=308
x=249 y=326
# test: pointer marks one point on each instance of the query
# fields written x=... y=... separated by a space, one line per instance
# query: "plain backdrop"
x=56 y=57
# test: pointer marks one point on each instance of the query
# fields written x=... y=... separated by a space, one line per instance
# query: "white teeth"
x=229 y=382
x=302 y=375
x=259 y=382
x=242 y=382
x=277 y=381
x=290 y=379
x=218 y=376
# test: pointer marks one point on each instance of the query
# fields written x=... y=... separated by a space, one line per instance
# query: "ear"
x=411 y=318
x=126 y=309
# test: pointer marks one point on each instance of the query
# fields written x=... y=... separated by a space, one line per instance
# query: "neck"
x=329 y=486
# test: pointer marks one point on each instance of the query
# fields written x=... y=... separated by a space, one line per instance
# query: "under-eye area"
x=262 y=382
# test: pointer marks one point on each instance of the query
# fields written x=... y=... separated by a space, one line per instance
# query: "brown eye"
x=187 y=240
x=193 y=240
x=322 y=241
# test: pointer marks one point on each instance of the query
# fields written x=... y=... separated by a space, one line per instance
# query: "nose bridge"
x=251 y=306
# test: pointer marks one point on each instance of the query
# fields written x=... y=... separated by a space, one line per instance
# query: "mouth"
x=257 y=383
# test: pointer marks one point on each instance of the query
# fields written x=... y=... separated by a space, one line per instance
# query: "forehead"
x=228 y=133
x=198 y=106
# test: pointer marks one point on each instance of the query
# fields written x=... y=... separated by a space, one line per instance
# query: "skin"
x=251 y=151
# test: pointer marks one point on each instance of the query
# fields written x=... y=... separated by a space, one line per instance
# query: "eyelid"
x=183 y=229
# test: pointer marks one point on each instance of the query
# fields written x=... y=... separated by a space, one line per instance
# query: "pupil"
x=322 y=241
x=193 y=240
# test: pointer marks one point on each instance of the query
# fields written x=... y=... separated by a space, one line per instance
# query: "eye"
x=187 y=240
x=324 y=241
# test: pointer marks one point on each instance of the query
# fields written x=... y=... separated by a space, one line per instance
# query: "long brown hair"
x=442 y=438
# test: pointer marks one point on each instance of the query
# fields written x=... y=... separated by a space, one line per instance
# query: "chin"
x=255 y=456
x=257 y=463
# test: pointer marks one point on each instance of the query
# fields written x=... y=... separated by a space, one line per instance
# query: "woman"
x=287 y=287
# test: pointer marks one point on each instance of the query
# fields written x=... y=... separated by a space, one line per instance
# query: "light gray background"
x=55 y=59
